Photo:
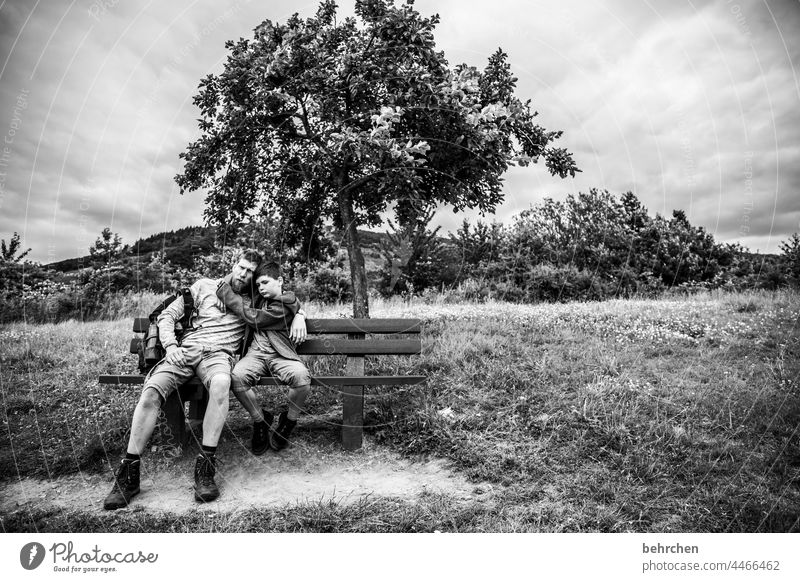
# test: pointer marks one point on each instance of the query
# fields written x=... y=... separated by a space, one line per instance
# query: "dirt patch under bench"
x=305 y=472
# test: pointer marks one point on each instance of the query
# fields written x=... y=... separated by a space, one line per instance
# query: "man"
x=207 y=351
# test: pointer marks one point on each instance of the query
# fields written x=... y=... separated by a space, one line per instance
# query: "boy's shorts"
x=203 y=362
x=257 y=363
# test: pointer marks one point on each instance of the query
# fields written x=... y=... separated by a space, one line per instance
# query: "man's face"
x=269 y=287
x=242 y=274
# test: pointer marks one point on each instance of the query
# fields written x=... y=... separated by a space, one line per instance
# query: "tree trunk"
x=358 y=273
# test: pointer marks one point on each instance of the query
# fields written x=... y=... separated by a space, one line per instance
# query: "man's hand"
x=176 y=356
x=298 y=331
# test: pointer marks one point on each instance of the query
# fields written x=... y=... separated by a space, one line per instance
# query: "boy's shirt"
x=213 y=328
x=268 y=340
x=267 y=322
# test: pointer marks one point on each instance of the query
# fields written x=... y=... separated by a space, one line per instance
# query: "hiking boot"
x=280 y=436
x=260 y=442
x=126 y=485
x=205 y=489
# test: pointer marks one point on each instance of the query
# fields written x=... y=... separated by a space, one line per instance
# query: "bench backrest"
x=353 y=342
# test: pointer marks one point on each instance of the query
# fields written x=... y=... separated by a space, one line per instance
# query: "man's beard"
x=237 y=286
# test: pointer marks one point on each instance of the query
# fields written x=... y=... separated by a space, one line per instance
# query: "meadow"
x=644 y=415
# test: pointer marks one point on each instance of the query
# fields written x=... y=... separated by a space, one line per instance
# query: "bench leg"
x=353 y=407
x=352 y=417
x=176 y=420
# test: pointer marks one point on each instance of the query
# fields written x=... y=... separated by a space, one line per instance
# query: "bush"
x=328 y=283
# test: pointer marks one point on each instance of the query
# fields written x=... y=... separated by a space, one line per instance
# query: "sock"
x=130 y=457
x=208 y=451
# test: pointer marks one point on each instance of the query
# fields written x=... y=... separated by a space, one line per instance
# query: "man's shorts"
x=257 y=363
x=202 y=362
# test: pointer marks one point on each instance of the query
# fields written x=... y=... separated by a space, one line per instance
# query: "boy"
x=271 y=351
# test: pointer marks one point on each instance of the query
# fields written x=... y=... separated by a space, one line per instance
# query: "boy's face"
x=268 y=287
x=242 y=274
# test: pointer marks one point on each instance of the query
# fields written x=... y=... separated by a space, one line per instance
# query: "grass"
x=431 y=513
x=680 y=414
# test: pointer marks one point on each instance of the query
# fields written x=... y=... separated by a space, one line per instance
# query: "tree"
x=790 y=258
x=325 y=120
x=483 y=242
x=10 y=253
x=677 y=252
x=590 y=231
x=13 y=271
x=106 y=248
x=412 y=256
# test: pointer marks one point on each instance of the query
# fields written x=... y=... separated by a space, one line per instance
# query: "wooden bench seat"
x=355 y=342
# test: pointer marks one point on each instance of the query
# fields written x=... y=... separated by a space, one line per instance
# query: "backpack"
x=150 y=349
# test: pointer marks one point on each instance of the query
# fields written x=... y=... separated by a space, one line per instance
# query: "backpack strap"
x=188 y=308
x=161 y=307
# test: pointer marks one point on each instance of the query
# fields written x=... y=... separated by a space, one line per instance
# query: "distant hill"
x=179 y=246
x=182 y=245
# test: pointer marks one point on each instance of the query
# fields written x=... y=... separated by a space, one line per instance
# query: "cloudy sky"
x=691 y=105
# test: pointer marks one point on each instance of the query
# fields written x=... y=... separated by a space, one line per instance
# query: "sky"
x=690 y=105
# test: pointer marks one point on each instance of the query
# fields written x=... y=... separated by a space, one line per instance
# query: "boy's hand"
x=298 y=332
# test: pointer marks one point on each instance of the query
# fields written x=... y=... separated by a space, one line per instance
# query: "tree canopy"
x=12 y=253
x=106 y=248
x=321 y=119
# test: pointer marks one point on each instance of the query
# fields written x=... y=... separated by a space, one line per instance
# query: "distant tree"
x=11 y=252
x=634 y=214
x=13 y=271
x=106 y=248
x=591 y=231
x=600 y=230
x=677 y=252
x=412 y=256
x=479 y=243
x=267 y=235
x=789 y=259
x=345 y=120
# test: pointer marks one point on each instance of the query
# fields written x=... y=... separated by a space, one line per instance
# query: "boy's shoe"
x=126 y=485
x=260 y=442
x=205 y=489
x=280 y=436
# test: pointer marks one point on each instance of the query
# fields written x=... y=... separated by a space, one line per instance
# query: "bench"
x=352 y=341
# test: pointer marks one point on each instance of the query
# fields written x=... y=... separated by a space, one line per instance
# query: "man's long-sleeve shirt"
x=214 y=328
